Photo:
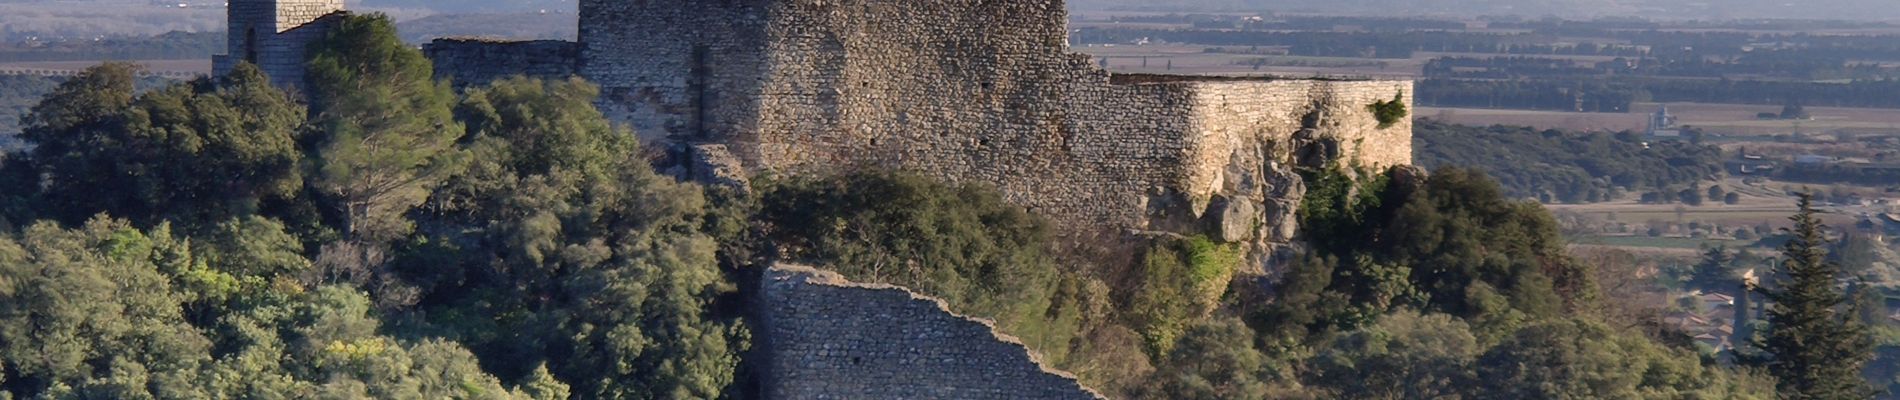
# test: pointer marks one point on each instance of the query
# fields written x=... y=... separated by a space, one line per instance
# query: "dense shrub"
x=961 y=243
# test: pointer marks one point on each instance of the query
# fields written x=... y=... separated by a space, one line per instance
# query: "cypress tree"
x=1816 y=347
x=1714 y=275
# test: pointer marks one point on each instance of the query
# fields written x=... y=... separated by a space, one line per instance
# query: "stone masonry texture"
x=975 y=91
x=968 y=91
x=828 y=338
x=273 y=35
x=466 y=61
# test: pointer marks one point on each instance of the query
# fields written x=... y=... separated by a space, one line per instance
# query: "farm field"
x=174 y=68
x=1723 y=119
x=1671 y=254
x=1196 y=60
x=1760 y=205
x=1661 y=243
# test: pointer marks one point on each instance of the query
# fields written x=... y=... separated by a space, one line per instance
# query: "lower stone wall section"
x=475 y=61
x=828 y=338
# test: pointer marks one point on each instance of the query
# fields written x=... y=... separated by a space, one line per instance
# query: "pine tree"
x=386 y=130
x=1816 y=347
x=1714 y=274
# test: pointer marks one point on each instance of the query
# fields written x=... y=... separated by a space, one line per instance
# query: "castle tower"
x=273 y=33
x=709 y=70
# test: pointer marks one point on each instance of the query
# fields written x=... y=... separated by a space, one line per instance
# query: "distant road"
x=181 y=69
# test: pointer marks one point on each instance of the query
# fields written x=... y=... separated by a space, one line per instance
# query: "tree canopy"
x=387 y=237
x=385 y=126
x=236 y=241
x=1816 y=346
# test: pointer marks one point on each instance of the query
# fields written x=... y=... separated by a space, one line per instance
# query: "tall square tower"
x=273 y=34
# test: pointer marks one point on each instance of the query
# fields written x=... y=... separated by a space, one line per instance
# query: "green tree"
x=1577 y=359
x=1816 y=347
x=962 y=243
x=1793 y=110
x=1716 y=272
x=1857 y=254
x=1182 y=281
x=88 y=314
x=191 y=153
x=1216 y=360
x=336 y=344
x=1403 y=355
x=1458 y=230
x=106 y=311
x=1691 y=197
x=559 y=255
x=1387 y=112
x=1451 y=242
x=19 y=191
x=1304 y=305
x=385 y=131
x=83 y=111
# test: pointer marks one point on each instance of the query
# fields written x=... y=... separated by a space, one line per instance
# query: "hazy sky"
x=1655 y=9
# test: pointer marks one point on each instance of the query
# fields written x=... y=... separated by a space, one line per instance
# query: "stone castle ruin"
x=273 y=33
x=964 y=90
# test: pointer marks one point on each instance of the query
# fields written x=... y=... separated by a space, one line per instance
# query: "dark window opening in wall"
x=250 y=45
x=857 y=360
x=696 y=86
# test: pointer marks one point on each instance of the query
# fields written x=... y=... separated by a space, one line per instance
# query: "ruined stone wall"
x=986 y=91
x=273 y=35
x=828 y=338
x=980 y=91
x=474 y=61
x=676 y=70
x=967 y=90
x=1232 y=116
x=1243 y=184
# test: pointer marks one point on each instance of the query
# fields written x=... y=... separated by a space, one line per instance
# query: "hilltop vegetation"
x=380 y=257
x=18 y=93
x=387 y=237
